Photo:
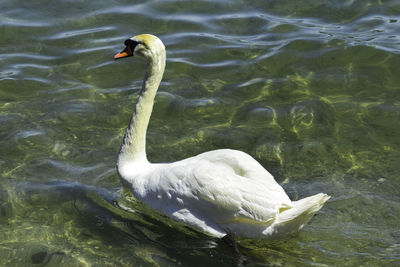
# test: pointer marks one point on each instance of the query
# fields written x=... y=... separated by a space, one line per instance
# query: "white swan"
x=219 y=192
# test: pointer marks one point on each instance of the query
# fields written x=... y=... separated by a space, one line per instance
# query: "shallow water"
x=310 y=89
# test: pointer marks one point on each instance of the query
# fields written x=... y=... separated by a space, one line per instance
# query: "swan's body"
x=219 y=192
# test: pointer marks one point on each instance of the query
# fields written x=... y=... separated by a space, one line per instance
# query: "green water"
x=311 y=89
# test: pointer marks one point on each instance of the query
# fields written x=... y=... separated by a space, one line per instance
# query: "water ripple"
x=26 y=56
x=16 y=22
x=74 y=168
x=80 y=32
x=124 y=9
x=29 y=133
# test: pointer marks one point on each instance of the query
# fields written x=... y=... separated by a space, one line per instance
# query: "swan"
x=222 y=192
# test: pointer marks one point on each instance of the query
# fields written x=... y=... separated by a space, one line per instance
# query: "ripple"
x=26 y=55
x=251 y=82
x=31 y=65
x=123 y=9
x=312 y=119
x=201 y=102
x=218 y=64
x=75 y=169
x=80 y=32
x=16 y=22
x=29 y=133
x=92 y=49
x=202 y=106
x=68 y=89
x=106 y=40
x=100 y=65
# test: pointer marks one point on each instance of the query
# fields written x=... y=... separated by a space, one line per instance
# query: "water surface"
x=310 y=89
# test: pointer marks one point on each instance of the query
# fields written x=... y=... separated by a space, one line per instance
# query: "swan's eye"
x=131 y=43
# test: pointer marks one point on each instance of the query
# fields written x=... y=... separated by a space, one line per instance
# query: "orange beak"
x=127 y=52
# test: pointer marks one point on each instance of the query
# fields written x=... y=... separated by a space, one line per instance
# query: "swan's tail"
x=293 y=219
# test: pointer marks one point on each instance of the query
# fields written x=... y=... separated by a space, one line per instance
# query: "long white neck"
x=133 y=148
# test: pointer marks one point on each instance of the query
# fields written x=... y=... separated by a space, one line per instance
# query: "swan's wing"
x=212 y=190
x=224 y=185
x=236 y=197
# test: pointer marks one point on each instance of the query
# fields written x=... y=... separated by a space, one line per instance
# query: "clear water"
x=308 y=88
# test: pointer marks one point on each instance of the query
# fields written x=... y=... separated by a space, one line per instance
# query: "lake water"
x=311 y=89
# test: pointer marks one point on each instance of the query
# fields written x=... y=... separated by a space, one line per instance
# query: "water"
x=310 y=89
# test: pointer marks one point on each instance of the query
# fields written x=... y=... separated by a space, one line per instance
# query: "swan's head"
x=144 y=45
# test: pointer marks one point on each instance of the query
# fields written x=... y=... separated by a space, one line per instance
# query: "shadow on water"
x=92 y=221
